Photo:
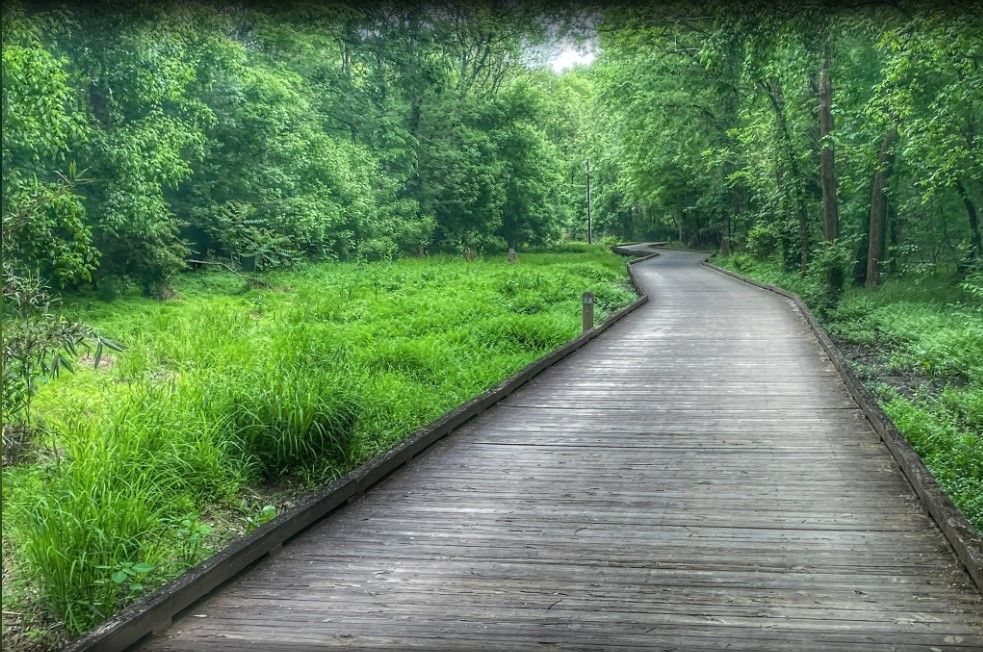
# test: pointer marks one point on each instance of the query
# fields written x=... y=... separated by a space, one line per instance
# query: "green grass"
x=920 y=344
x=227 y=390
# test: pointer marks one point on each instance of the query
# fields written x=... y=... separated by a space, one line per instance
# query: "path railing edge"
x=154 y=613
x=965 y=541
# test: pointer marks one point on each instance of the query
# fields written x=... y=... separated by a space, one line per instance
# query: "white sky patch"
x=567 y=44
x=570 y=56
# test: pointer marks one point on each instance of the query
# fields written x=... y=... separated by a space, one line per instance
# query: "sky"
x=566 y=44
x=569 y=56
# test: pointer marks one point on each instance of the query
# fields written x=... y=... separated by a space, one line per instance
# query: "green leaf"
x=98 y=356
x=110 y=344
x=142 y=567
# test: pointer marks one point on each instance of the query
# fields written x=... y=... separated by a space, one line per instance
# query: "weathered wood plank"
x=965 y=540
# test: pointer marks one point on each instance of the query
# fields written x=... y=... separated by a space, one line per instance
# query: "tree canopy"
x=139 y=136
x=813 y=131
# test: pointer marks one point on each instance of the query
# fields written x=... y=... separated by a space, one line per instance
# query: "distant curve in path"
x=698 y=477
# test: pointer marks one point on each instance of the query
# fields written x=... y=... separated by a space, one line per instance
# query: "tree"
x=44 y=218
x=933 y=83
x=877 y=223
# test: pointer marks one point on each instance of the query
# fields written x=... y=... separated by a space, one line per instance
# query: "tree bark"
x=860 y=260
x=778 y=104
x=877 y=219
x=895 y=229
x=725 y=248
x=974 y=220
x=827 y=163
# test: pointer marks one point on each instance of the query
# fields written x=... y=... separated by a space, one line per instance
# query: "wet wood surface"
x=698 y=477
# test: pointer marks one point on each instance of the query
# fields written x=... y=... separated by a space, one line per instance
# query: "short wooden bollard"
x=588 y=311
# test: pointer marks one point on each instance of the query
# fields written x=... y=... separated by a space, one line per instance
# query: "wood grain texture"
x=698 y=477
x=965 y=540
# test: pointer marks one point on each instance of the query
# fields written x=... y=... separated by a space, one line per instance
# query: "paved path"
x=638 y=248
x=696 y=478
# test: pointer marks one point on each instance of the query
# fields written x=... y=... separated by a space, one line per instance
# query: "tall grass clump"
x=86 y=517
x=230 y=391
x=290 y=419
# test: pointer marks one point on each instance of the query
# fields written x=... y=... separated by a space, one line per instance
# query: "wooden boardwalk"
x=698 y=477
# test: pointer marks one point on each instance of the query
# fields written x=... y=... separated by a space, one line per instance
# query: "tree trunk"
x=895 y=229
x=860 y=261
x=827 y=164
x=795 y=196
x=877 y=221
x=974 y=220
x=725 y=236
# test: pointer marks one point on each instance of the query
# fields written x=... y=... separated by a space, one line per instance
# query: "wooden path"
x=696 y=478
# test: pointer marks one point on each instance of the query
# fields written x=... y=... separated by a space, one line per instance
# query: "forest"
x=139 y=137
x=193 y=190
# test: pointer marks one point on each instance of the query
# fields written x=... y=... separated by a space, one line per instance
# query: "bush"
x=37 y=343
x=44 y=228
x=827 y=271
x=764 y=240
x=570 y=247
x=972 y=285
x=377 y=249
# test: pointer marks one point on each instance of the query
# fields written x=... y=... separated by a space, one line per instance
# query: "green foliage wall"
x=140 y=136
x=713 y=110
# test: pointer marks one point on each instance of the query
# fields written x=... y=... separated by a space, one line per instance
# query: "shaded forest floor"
x=917 y=344
x=233 y=400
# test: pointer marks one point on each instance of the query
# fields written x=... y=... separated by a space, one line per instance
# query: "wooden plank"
x=965 y=540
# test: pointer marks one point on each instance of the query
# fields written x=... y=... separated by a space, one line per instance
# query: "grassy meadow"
x=230 y=395
x=917 y=343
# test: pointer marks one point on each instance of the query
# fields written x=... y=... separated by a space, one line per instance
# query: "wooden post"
x=513 y=257
x=588 y=311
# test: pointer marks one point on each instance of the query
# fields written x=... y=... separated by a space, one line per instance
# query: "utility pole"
x=590 y=238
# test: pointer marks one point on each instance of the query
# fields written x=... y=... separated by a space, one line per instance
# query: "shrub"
x=37 y=343
x=764 y=240
x=828 y=273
